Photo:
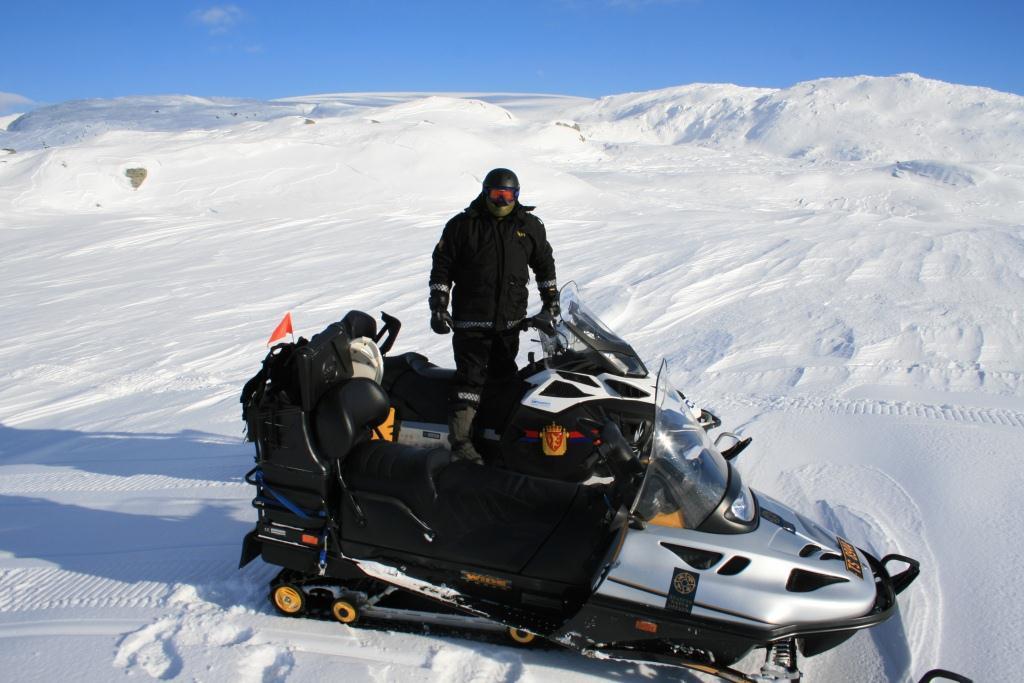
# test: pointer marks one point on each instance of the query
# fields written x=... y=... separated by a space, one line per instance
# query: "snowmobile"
x=605 y=520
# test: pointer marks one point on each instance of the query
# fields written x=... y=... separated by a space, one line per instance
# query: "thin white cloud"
x=10 y=101
x=219 y=18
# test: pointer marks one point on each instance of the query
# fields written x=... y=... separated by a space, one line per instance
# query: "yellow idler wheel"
x=520 y=636
x=344 y=611
x=288 y=599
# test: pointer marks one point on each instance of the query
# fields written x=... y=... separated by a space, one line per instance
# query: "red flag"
x=284 y=327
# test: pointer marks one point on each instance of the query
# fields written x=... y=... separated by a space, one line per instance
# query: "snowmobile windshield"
x=686 y=477
x=581 y=339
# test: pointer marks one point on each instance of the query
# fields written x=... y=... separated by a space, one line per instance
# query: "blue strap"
x=292 y=507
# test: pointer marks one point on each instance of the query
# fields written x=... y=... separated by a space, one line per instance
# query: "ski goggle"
x=503 y=196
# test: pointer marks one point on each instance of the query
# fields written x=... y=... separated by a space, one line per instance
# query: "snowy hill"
x=839 y=119
x=834 y=268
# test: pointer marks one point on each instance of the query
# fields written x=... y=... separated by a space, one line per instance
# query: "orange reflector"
x=310 y=540
x=646 y=626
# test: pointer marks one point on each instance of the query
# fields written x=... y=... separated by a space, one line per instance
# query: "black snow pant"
x=480 y=357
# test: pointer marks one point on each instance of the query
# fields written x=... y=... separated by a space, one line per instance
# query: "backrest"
x=360 y=324
x=345 y=415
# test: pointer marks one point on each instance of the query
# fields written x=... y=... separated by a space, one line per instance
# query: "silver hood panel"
x=757 y=595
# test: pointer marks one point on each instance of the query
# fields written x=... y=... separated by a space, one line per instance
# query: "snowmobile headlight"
x=742 y=508
x=625 y=364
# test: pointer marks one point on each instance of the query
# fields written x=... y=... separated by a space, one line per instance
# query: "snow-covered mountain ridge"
x=843 y=119
x=839 y=119
x=835 y=268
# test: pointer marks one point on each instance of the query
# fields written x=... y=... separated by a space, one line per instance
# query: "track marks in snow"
x=66 y=480
x=1002 y=417
x=42 y=588
x=56 y=628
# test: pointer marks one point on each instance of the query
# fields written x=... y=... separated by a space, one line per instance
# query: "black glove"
x=440 y=321
x=549 y=296
x=542 y=321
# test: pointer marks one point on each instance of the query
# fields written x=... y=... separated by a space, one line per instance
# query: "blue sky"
x=55 y=51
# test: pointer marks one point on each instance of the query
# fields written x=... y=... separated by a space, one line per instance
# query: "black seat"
x=424 y=368
x=417 y=501
x=402 y=472
x=457 y=512
x=418 y=389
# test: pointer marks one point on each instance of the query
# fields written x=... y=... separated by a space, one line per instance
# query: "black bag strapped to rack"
x=322 y=363
x=275 y=385
x=297 y=374
x=294 y=479
x=326 y=360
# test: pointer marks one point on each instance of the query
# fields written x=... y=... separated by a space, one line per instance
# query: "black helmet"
x=501 y=190
x=501 y=177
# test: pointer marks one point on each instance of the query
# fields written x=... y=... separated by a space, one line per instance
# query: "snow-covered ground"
x=836 y=268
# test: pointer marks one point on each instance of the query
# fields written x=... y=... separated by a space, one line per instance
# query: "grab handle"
x=906 y=577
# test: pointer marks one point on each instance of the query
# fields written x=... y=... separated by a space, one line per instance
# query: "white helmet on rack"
x=367 y=360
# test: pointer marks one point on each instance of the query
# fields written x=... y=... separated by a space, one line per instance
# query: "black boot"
x=460 y=435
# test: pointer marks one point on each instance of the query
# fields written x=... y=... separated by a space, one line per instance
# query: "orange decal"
x=386 y=429
x=850 y=558
x=645 y=626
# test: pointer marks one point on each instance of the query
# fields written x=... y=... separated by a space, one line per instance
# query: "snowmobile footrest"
x=722 y=672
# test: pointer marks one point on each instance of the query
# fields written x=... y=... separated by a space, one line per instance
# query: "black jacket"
x=486 y=260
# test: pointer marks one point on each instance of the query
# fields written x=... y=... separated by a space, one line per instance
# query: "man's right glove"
x=440 y=320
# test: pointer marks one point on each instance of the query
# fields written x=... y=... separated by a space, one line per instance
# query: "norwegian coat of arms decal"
x=554 y=439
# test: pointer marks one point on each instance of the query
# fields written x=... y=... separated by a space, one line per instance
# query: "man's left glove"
x=549 y=295
x=440 y=320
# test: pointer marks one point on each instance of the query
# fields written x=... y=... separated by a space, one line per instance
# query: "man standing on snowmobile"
x=484 y=253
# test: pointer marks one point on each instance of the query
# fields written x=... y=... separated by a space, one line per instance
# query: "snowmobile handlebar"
x=613 y=448
x=543 y=321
